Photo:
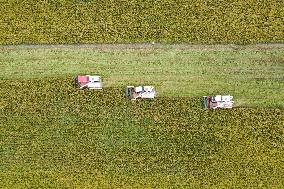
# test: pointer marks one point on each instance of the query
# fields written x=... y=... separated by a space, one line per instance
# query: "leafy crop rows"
x=93 y=21
x=54 y=135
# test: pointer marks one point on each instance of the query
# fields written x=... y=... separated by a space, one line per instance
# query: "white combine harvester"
x=218 y=102
x=147 y=92
x=89 y=82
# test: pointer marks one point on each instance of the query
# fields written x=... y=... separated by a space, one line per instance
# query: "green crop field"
x=53 y=135
x=110 y=21
x=252 y=74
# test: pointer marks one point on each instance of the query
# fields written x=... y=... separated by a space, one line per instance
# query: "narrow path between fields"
x=149 y=46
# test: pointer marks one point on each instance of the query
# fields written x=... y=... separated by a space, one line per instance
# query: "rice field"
x=53 y=135
x=95 y=21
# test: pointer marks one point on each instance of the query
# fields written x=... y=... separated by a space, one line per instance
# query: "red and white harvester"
x=88 y=82
x=218 y=102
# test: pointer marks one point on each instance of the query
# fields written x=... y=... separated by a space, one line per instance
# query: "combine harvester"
x=88 y=82
x=218 y=102
x=143 y=92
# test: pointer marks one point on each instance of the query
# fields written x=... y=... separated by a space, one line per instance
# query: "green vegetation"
x=110 y=21
x=53 y=135
x=252 y=74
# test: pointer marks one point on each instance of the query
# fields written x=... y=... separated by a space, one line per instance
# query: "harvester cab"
x=218 y=102
x=144 y=92
x=89 y=82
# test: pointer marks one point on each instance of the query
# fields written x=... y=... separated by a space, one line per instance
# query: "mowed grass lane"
x=252 y=74
x=53 y=135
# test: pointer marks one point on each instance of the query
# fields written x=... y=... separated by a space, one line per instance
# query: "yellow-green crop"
x=96 y=21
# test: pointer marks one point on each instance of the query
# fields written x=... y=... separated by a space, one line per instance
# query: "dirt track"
x=153 y=45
